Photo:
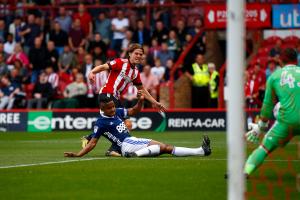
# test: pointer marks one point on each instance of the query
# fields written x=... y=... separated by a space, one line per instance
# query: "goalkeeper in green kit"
x=282 y=86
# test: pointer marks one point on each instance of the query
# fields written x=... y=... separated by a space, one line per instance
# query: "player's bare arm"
x=89 y=147
x=138 y=107
x=148 y=96
x=96 y=70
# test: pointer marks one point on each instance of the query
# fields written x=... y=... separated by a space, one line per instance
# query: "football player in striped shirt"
x=122 y=72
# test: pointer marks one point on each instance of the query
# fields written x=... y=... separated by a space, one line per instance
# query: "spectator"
x=100 y=79
x=15 y=77
x=8 y=93
x=213 y=85
x=85 y=20
x=59 y=37
x=9 y=45
x=30 y=31
x=158 y=70
x=272 y=66
x=199 y=76
x=125 y=43
x=148 y=57
x=52 y=55
x=97 y=42
x=98 y=47
x=160 y=32
x=79 y=57
x=22 y=71
x=52 y=77
x=251 y=90
x=15 y=28
x=18 y=54
x=129 y=97
x=103 y=27
x=150 y=83
x=76 y=36
x=3 y=67
x=87 y=65
x=173 y=44
x=119 y=26
x=181 y=30
x=3 y=32
x=37 y=57
x=2 y=50
x=73 y=94
x=141 y=35
x=42 y=93
x=155 y=48
x=164 y=54
x=64 y=20
x=169 y=67
x=66 y=59
x=260 y=79
x=276 y=50
x=199 y=47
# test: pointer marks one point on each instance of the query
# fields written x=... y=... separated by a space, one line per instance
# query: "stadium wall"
x=83 y=119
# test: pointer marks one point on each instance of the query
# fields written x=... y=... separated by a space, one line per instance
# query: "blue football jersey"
x=112 y=128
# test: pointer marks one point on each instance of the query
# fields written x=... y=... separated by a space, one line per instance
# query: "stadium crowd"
x=45 y=59
x=62 y=50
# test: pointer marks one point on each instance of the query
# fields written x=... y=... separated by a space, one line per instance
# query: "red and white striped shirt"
x=53 y=78
x=122 y=72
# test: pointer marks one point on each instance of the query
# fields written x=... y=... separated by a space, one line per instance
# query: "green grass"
x=165 y=177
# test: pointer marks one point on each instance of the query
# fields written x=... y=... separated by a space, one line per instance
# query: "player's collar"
x=131 y=65
x=103 y=115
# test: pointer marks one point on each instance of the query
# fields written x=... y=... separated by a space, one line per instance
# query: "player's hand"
x=255 y=131
x=91 y=78
x=70 y=154
x=140 y=95
x=252 y=136
x=160 y=107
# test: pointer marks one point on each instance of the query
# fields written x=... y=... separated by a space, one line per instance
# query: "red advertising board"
x=256 y=15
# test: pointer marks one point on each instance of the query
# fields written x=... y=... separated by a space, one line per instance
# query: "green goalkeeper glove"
x=256 y=130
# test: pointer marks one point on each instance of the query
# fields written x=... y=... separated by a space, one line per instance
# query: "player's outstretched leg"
x=156 y=148
x=204 y=150
x=255 y=160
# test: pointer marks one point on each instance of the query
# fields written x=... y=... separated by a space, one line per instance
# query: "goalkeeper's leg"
x=278 y=135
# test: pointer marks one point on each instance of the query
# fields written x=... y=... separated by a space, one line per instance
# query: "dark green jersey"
x=283 y=85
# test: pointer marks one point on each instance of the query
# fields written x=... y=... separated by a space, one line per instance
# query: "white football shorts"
x=133 y=144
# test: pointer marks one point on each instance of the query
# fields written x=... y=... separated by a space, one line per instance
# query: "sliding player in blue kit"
x=111 y=126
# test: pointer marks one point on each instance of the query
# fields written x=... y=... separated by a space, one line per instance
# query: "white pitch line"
x=49 y=163
x=106 y=158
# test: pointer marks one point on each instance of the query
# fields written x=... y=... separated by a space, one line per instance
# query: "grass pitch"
x=32 y=166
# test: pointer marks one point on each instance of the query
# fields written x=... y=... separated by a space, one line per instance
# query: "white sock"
x=152 y=150
x=182 y=151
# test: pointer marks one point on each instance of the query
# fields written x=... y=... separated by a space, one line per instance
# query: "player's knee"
x=166 y=148
x=128 y=124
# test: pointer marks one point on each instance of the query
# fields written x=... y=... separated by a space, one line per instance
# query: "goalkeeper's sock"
x=255 y=160
x=183 y=151
x=152 y=150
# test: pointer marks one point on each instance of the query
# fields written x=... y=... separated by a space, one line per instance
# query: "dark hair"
x=105 y=98
x=288 y=55
x=134 y=46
